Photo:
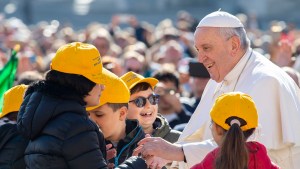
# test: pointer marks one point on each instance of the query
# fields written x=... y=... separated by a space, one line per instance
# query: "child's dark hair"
x=80 y=84
x=117 y=106
x=140 y=87
x=233 y=150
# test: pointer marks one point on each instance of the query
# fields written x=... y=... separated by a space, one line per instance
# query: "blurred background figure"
x=199 y=77
x=113 y=64
x=103 y=41
x=134 y=61
x=185 y=21
x=170 y=105
x=283 y=55
x=296 y=54
x=171 y=52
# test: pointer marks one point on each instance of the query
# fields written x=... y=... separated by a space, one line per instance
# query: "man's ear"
x=235 y=45
x=123 y=113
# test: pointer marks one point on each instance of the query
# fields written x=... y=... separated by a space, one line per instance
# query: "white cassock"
x=277 y=98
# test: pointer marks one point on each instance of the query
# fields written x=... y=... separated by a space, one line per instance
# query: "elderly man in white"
x=224 y=49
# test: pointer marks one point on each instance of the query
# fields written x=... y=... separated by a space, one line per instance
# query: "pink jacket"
x=258 y=158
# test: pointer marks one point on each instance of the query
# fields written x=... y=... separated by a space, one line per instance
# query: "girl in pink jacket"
x=234 y=119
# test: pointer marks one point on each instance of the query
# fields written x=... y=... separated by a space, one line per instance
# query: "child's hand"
x=110 y=152
x=111 y=165
x=154 y=162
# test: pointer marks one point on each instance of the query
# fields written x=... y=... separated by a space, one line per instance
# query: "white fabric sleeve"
x=194 y=153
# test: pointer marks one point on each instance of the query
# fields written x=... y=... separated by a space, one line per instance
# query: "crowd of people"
x=218 y=93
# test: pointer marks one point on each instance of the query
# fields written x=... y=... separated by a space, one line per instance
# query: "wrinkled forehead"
x=205 y=31
x=209 y=35
x=206 y=35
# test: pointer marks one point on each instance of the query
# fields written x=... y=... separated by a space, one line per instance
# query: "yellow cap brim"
x=150 y=80
x=92 y=108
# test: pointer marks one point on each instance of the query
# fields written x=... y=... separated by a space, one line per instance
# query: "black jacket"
x=12 y=147
x=133 y=162
x=125 y=147
x=60 y=132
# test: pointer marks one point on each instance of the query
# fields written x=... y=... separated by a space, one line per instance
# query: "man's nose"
x=201 y=57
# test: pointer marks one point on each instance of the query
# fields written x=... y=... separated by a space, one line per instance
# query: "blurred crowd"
x=127 y=44
x=159 y=63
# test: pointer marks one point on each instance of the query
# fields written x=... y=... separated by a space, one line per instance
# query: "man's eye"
x=99 y=115
x=206 y=48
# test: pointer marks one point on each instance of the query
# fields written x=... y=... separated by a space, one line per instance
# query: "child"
x=234 y=119
x=110 y=116
x=12 y=144
x=53 y=114
x=143 y=107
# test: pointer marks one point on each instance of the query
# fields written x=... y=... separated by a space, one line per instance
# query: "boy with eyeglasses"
x=143 y=106
x=110 y=116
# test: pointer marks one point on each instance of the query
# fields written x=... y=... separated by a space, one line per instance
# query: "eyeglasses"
x=141 y=101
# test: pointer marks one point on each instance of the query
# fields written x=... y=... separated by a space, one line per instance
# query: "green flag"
x=7 y=74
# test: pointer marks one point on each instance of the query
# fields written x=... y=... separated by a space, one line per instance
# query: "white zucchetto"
x=220 y=19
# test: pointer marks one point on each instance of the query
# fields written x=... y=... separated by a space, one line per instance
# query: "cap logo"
x=97 y=61
x=132 y=77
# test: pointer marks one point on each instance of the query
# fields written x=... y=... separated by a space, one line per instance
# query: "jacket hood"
x=54 y=90
x=43 y=102
x=161 y=126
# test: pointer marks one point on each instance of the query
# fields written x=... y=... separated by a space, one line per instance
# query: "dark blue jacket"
x=12 y=147
x=125 y=147
x=61 y=135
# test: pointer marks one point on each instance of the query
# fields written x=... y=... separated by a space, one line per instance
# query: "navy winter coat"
x=61 y=135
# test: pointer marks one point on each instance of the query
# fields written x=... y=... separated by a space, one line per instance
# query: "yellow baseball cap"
x=131 y=79
x=12 y=99
x=115 y=91
x=234 y=104
x=82 y=59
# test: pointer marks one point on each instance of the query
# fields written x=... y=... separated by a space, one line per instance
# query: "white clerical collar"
x=237 y=70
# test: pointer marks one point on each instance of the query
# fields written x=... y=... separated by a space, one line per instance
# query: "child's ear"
x=220 y=130
x=123 y=113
